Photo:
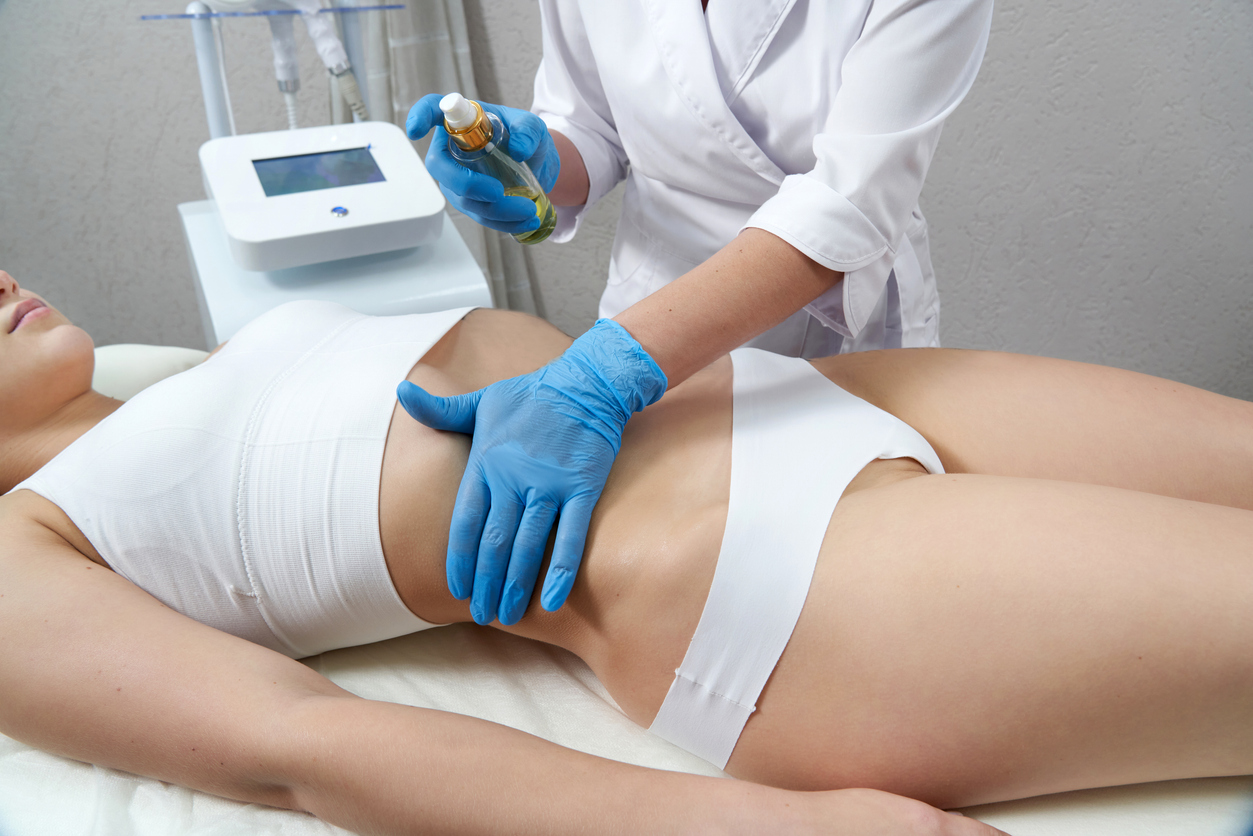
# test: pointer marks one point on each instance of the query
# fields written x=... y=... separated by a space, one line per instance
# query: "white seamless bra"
x=244 y=492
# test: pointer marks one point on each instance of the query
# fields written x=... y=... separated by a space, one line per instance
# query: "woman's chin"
x=69 y=358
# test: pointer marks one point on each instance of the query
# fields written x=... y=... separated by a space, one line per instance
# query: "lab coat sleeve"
x=570 y=99
x=913 y=63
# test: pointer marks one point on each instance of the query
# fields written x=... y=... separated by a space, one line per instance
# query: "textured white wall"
x=1092 y=199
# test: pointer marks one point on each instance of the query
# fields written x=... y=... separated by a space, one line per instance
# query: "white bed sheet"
x=544 y=691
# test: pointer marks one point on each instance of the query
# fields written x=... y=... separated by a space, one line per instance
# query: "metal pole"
x=217 y=102
x=354 y=45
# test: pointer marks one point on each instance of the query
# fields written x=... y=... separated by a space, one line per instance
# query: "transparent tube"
x=493 y=160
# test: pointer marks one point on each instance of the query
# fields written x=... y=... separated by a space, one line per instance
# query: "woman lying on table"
x=1037 y=578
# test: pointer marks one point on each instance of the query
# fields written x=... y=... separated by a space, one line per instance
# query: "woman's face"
x=45 y=360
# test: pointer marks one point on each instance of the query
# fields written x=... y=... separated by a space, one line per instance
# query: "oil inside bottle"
x=543 y=210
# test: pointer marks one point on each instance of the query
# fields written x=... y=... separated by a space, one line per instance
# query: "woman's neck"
x=26 y=449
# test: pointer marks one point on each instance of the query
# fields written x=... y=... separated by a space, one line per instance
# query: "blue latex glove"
x=543 y=444
x=478 y=195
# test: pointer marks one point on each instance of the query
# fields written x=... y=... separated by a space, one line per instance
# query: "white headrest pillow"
x=123 y=370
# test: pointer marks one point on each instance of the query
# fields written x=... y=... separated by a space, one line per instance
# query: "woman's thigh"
x=972 y=638
x=1014 y=415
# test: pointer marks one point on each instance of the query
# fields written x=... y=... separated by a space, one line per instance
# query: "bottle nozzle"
x=459 y=113
x=466 y=123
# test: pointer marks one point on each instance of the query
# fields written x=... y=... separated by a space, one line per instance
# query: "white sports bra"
x=244 y=493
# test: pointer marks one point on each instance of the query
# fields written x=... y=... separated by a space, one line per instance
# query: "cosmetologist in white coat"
x=813 y=120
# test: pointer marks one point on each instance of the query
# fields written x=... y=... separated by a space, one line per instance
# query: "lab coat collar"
x=682 y=37
x=738 y=38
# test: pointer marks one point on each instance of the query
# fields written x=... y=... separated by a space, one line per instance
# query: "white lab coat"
x=815 y=120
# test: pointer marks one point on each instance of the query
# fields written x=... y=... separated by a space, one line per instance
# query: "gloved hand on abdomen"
x=478 y=195
x=543 y=445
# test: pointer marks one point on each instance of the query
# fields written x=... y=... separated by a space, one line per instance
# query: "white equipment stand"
x=434 y=277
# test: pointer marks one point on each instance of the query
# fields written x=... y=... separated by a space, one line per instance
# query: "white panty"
x=797 y=442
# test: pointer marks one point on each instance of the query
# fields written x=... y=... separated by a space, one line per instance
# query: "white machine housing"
x=321 y=222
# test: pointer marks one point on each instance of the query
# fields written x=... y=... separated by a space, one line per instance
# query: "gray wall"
x=101 y=118
x=1092 y=199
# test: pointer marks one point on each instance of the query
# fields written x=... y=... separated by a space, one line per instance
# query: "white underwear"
x=797 y=441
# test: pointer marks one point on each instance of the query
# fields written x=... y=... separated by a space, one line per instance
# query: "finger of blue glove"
x=495 y=547
x=547 y=168
x=424 y=115
x=509 y=214
x=576 y=516
x=525 y=560
x=527 y=131
x=477 y=195
x=452 y=175
x=469 y=514
x=530 y=142
x=452 y=414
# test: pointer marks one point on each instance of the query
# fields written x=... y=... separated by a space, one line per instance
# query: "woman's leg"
x=1013 y=415
x=973 y=638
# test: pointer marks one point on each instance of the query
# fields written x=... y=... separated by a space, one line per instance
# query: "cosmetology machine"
x=344 y=213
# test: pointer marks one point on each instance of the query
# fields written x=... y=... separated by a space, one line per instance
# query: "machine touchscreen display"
x=310 y=172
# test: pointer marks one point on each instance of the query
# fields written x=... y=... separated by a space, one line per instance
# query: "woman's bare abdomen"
x=654 y=539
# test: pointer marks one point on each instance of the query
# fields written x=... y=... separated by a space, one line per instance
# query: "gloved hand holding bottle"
x=478 y=165
x=543 y=446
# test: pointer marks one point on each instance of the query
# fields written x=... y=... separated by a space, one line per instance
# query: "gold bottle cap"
x=473 y=136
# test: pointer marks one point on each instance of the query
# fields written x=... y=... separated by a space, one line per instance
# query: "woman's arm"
x=570 y=98
x=845 y=219
x=572 y=184
x=744 y=289
x=95 y=669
